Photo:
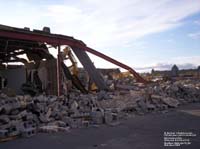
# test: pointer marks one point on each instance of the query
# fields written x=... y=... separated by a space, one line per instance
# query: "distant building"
x=198 y=71
x=198 y=68
x=152 y=71
x=174 y=71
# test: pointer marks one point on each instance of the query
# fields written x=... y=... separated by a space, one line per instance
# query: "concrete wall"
x=47 y=72
x=15 y=78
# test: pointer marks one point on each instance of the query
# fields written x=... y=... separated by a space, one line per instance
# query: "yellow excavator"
x=68 y=55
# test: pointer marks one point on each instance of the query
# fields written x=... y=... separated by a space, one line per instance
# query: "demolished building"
x=43 y=71
x=28 y=69
x=52 y=106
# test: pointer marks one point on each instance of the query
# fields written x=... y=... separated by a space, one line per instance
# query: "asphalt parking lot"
x=139 y=132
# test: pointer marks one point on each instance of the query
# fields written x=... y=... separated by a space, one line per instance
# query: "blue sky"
x=144 y=34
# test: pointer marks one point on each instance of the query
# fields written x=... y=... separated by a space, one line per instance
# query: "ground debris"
x=26 y=115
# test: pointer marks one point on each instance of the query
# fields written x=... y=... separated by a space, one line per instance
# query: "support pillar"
x=59 y=83
x=90 y=68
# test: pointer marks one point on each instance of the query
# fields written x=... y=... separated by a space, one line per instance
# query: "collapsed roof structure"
x=35 y=44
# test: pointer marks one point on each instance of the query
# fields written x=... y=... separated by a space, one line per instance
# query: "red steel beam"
x=52 y=39
x=56 y=40
x=131 y=70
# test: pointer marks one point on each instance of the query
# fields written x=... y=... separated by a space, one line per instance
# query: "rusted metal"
x=90 y=68
x=59 y=86
x=55 y=39
x=131 y=70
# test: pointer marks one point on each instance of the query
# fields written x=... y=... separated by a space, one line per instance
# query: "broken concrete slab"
x=171 y=102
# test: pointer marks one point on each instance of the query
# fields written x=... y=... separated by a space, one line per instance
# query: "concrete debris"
x=153 y=98
x=26 y=115
x=171 y=102
x=52 y=129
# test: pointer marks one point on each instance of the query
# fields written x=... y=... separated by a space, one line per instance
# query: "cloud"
x=104 y=23
x=101 y=23
x=197 y=22
x=195 y=35
x=115 y=25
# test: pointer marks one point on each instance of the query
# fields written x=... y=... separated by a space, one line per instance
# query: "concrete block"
x=76 y=123
x=48 y=129
x=97 y=117
x=108 y=117
x=29 y=124
x=171 y=102
x=4 y=119
x=13 y=131
x=28 y=132
x=43 y=118
x=6 y=108
x=67 y=120
x=3 y=133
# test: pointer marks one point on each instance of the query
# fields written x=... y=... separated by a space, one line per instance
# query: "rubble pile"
x=179 y=92
x=26 y=115
x=154 y=98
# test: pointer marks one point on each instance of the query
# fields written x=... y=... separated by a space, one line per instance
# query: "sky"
x=143 y=34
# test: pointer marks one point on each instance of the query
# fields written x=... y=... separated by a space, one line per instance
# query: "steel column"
x=59 y=85
x=90 y=68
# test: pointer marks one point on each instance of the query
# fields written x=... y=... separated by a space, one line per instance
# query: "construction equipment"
x=67 y=55
x=74 y=78
x=71 y=72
